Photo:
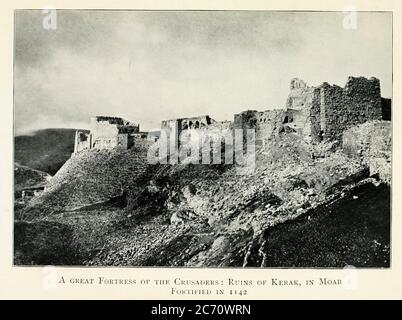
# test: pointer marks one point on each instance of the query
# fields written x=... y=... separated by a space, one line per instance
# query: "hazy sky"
x=150 y=66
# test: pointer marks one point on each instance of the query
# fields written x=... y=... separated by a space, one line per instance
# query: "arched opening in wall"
x=197 y=125
x=286 y=120
x=184 y=125
x=190 y=125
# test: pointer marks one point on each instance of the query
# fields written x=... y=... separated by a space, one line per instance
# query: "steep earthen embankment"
x=203 y=215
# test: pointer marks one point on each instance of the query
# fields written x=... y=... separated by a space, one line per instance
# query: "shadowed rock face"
x=352 y=231
x=386 y=105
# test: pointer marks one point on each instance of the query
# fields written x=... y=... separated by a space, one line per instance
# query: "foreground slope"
x=118 y=210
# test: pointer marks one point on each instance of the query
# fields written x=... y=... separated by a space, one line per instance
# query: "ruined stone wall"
x=220 y=125
x=265 y=123
x=180 y=124
x=82 y=140
x=187 y=131
x=300 y=95
x=324 y=112
x=141 y=141
x=358 y=102
x=122 y=141
x=172 y=130
x=301 y=111
x=315 y=113
x=364 y=98
x=196 y=122
x=214 y=132
x=371 y=142
x=211 y=133
x=111 y=132
x=218 y=134
x=269 y=123
x=333 y=111
x=102 y=143
x=315 y=116
x=106 y=133
x=103 y=128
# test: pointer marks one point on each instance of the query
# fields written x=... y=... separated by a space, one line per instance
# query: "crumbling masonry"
x=107 y=133
x=324 y=112
x=315 y=113
x=319 y=113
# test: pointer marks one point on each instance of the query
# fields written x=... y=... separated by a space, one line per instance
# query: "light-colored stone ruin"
x=315 y=113
x=319 y=113
x=324 y=112
x=108 y=133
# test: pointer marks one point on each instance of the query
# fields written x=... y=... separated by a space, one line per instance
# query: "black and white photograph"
x=202 y=138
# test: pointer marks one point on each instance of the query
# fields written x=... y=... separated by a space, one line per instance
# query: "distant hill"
x=45 y=150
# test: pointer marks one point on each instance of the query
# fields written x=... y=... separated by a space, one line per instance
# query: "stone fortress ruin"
x=319 y=113
x=107 y=133
x=315 y=113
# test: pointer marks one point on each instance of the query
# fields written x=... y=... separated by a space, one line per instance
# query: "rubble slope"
x=201 y=215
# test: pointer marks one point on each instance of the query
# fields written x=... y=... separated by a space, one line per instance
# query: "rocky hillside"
x=120 y=211
x=91 y=177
